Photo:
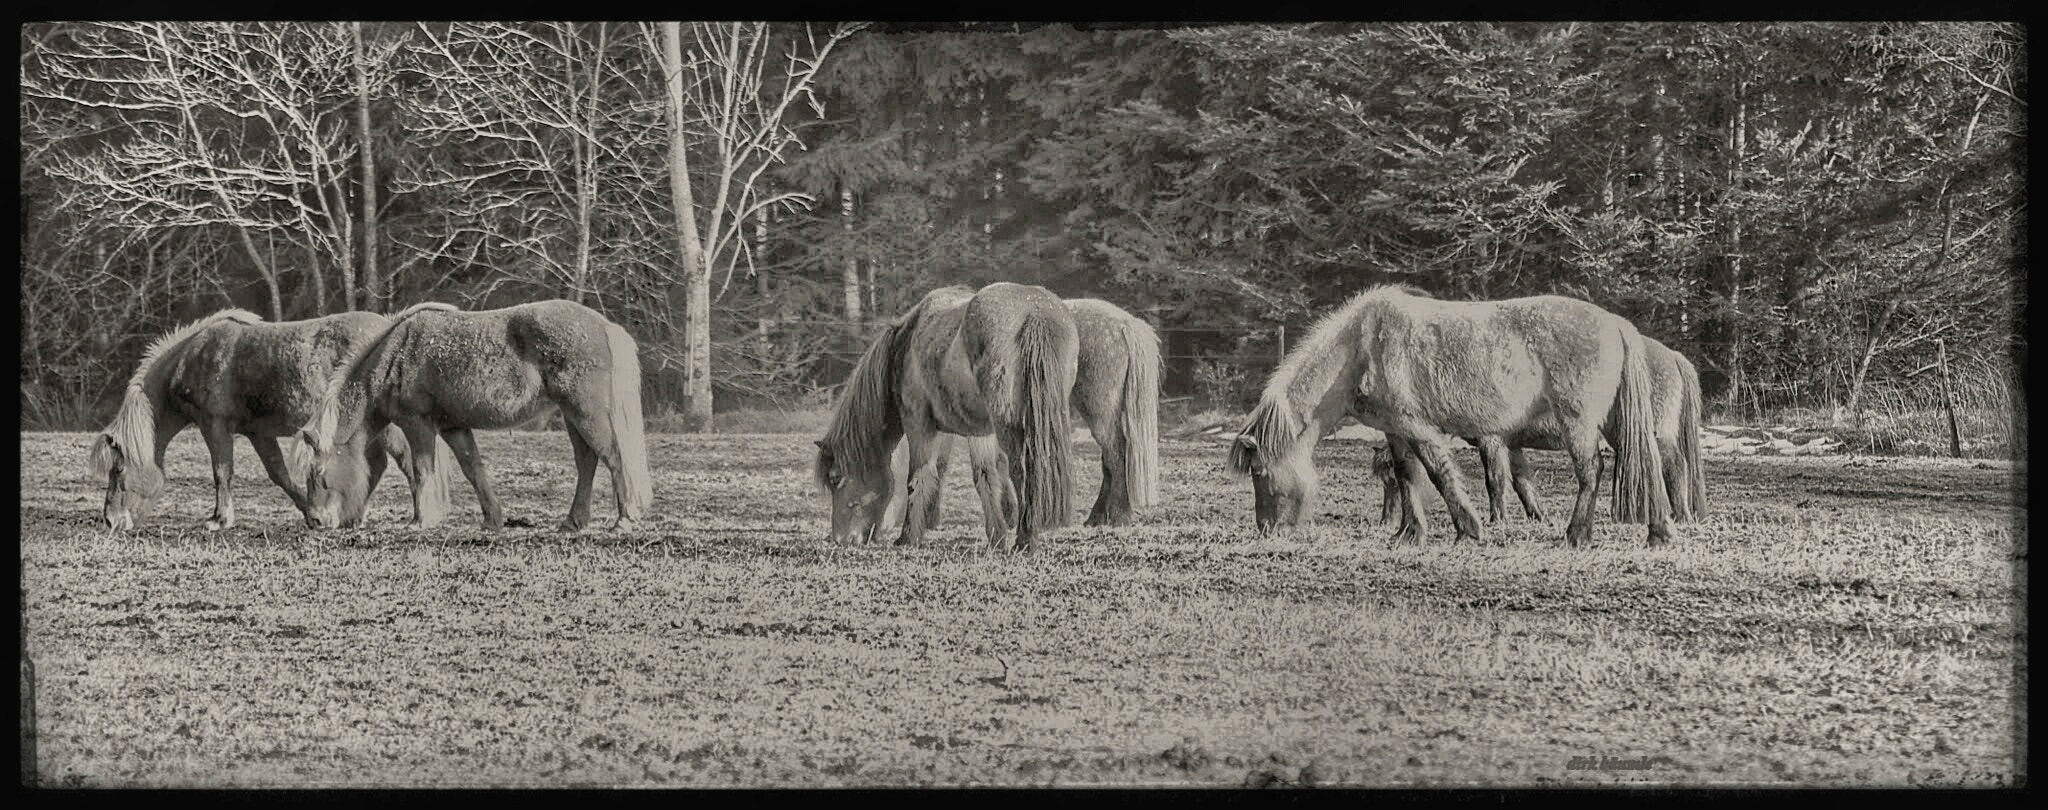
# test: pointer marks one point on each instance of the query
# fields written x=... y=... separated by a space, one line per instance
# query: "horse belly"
x=957 y=401
x=495 y=390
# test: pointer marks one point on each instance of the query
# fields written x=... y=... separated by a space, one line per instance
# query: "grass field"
x=1834 y=621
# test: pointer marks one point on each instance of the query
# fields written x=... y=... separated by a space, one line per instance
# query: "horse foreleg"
x=992 y=482
x=1437 y=460
x=1525 y=486
x=923 y=481
x=220 y=444
x=273 y=463
x=463 y=443
x=586 y=475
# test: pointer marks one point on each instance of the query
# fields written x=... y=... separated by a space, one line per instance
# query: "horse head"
x=860 y=493
x=133 y=484
x=1283 y=480
x=337 y=477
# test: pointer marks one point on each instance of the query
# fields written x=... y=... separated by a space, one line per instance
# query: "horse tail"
x=629 y=436
x=1141 y=413
x=1639 y=495
x=1690 y=490
x=1044 y=413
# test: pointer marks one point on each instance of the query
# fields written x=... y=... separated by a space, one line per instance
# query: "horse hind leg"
x=1444 y=471
x=586 y=476
x=220 y=444
x=1584 y=448
x=991 y=468
x=1493 y=456
x=1525 y=486
x=595 y=433
x=1113 y=501
x=463 y=443
x=942 y=458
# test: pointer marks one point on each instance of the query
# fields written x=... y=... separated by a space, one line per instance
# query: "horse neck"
x=864 y=431
x=1320 y=389
x=141 y=419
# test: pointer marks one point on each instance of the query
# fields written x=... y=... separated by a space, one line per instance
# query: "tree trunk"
x=319 y=281
x=849 y=276
x=1855 y=406
x=1738 y=142
x=373 y=286
x=696 y=273
x=268 y=272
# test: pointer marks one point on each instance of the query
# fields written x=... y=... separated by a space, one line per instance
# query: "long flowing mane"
x=867 y=415
x=1303 y=376
x=133 y=430
x=327 y=417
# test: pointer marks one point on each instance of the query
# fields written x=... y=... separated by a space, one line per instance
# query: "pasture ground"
x=1834 y=621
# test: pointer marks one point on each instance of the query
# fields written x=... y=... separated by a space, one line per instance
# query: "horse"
x=1675 y=396
x=438 y=370
x=1116 y=392
x=997 y=361
x=1427 y=370
x=230 y=373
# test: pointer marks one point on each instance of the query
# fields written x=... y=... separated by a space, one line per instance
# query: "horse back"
x=264 y=378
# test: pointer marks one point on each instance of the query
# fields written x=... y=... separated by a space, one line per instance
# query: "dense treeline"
x=1803 y=208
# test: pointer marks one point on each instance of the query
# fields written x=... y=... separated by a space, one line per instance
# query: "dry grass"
x=1827 y=624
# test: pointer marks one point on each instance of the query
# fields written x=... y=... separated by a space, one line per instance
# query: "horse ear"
x=105 y=456
x=1245 y=453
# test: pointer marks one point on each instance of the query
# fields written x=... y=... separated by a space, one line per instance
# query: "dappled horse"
x=1675 y=397
x=1116 y=392
x=230 y=373
x=1426 y=370
x=437 y=370
x=998 y=361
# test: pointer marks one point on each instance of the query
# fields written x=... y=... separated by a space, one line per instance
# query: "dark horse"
x=230 y=373
x=1674 y=394
x=1426 y=370
x=438 y=370
x=999 y=361
x=1116 y=392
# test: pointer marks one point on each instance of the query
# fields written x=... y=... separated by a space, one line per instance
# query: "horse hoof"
x=216 y=524
x=625 y=524
x=569 y=526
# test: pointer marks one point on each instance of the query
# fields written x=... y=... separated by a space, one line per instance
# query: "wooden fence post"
x=1948 y=399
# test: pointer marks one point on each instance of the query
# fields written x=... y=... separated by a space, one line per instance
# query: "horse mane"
x=865 y=416
x=327 y=416
x=134 y=427
x=1275 y=423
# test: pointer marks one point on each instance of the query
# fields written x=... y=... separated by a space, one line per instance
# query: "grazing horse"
x=1001 y=361
x=1426 y=370
x=1116 y=391
x=229 y=373
x=1675 y=396
x=437 y=370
